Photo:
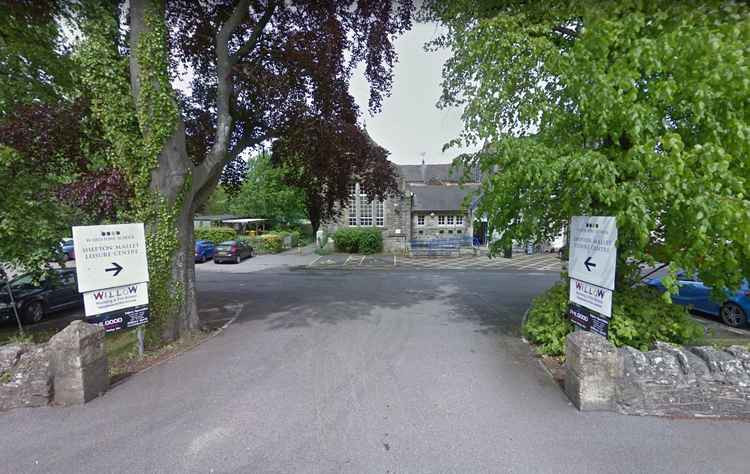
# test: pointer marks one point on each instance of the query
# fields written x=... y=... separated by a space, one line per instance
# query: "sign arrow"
x=116 y=269
x=588 y=263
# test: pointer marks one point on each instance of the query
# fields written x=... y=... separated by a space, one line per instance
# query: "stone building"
x=435 y=202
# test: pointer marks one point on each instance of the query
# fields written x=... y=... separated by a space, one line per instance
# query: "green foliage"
x=137 y=135
x=547 y=322
x=640 y=317
x=35 y=63
x=264 y=195
x=215 y=234
x=358 y=240
x=30 y=231
x=272 y=243
x=632 y=109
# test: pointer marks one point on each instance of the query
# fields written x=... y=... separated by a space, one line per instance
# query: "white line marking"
x=313 y=262
x=362 y=261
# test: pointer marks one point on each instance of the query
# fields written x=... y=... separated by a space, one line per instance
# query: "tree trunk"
x=169 y=180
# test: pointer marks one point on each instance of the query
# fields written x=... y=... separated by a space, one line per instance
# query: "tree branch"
x=565 y=31
x=255 y=36
x=209 y=168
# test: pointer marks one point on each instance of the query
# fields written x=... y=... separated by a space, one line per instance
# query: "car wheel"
x=252 y=253
x=237 y=259
x=733 y=315
x=33 y=312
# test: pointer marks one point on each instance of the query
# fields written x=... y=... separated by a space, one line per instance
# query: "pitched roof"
x=437 y=172
x=440 y=198
x=217 y=217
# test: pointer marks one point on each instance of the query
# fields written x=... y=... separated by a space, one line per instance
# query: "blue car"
x=734 y=310
x=204 y=250
x=68 y=251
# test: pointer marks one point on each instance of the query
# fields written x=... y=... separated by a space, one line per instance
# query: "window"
x=352 y=207
x=365 y=211
x=421 y=232
x=441 y=220
x=379 y=213
x=360 y=210
x=450 y=220
x=459 y=220
x=450 y=231
x=459 y=231
x=420 y=220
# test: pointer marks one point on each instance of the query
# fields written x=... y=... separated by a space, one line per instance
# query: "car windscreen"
x=24 y=281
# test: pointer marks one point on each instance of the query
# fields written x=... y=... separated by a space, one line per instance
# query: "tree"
x=35 y=63
x=633 y=109
x=265 y=195
x=322 y=158
x=254 y=64
x=52 y=161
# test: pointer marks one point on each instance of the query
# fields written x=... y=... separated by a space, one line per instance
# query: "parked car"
x=233 y=251
x=204 y=250
x=35 y=301
x=68 y=250
x=734 y=310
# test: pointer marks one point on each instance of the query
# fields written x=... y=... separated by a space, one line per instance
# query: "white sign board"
x=109 y=256
x=113 y=299
x=593 y=255
x=592 y=297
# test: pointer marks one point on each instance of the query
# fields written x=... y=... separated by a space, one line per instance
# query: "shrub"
x=215 y=234
x=264 y=244
x=353 y=240
x=346 y=240
x=272 y=243
x=370 y=241
x=640 y=317
x=547 y=322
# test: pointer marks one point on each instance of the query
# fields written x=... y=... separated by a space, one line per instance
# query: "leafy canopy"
x=264 y=194
x=639 y=110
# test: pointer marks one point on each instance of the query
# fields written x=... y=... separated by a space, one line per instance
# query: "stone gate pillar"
x=592 y=368
x=79 y=363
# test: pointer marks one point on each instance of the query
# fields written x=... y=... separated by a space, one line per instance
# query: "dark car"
x=204 y=250
x=34 y=301
x=233 y=251
x=68 y=250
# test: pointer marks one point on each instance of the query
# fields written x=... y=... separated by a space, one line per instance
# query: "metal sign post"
x=13 y=305
x=592 y=264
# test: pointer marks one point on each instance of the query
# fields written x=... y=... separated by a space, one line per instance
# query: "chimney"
x=424 y=170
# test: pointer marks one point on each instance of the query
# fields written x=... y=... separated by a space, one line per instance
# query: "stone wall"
x=669 y=380
x=71 y=369
x=25 y=376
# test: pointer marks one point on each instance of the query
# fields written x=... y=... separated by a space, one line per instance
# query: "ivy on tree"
x=257 y=67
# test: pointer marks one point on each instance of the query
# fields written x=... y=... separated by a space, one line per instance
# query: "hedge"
x=640 y=317
x=215 y=234
x=363 y=240
x=266 y=243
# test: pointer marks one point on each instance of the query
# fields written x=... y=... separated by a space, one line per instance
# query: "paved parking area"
x=538 y=262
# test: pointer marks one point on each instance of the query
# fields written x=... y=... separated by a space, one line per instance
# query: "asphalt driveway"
x=350 y=371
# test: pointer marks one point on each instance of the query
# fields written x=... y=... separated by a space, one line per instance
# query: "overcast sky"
x=410 y=124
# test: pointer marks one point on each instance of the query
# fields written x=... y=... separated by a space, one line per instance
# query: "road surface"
x=359 y=372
